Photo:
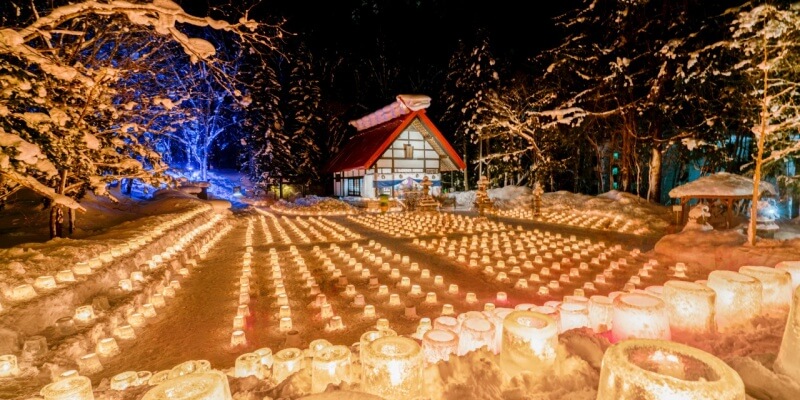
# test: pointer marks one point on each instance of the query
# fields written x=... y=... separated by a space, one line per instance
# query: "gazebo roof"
x=721 y=184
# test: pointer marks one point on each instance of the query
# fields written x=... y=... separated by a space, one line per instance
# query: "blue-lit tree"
x=85 y=100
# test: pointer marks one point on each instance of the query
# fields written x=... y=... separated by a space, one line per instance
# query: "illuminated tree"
x=79 y=109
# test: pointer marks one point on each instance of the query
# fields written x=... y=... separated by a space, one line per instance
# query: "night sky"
x=429 y=28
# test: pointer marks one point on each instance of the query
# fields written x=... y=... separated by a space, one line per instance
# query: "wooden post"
x=684 y=209
x=729 y=213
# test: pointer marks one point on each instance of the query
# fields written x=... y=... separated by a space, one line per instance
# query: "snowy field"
x=190 y=284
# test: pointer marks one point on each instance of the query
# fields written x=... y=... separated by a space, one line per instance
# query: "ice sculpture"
x=200 y=385
x=438 y=345
x=639 y=315
x=738 y=298
x=651 y=369
x=529 y=341
x=392 y=368
x=331 y=365
x=776 y=287
x=690 y=307
x=787 y=362
x=73 y=388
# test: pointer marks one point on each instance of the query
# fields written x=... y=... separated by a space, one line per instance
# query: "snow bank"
x=721 y=184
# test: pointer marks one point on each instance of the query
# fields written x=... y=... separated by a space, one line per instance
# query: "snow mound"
x=721 y=184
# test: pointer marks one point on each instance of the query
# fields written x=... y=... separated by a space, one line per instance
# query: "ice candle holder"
x=529 y=341
x=776 y=287
x=8 y=366
x=199 y=385
x=392 y=368
x=639 y=315
x=330 y=365
x=787 y=361
x=659 y=369
x=72 y=388
x=690 y=307
x=285 y=363
x=738 y=298
x=438 y=345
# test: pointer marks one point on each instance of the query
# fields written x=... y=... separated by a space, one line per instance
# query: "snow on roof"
x=721 y=184
x=404 y=104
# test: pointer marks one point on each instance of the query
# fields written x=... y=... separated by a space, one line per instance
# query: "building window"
x=409 y=150
x=352 y=186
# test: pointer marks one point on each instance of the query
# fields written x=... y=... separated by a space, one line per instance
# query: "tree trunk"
x=71 y=213
x=128 y=186
x=751 y=230
x=466 y=168
x=57 y=210
x=654 y=178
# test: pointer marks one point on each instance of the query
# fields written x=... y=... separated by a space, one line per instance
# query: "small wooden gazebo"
x=722 y=186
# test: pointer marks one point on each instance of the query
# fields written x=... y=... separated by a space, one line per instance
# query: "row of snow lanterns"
x=329 y=230
x=578 y=218
x=70 y=385
x=275 y=223
x=84 y=315
x=405 y=282
x=137 y=317
x=413 y=225
x=47 y=283
x=307 y=211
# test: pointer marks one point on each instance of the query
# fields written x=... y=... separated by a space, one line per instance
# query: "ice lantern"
x=72 y=388
x=392 y=368
x=529 y=341
x=690 y=307
x=776 y=287
x=331 y=365
x=738 y=298
x=638 y=315
x=787 y=362
x=209 y=385
x=657 y=369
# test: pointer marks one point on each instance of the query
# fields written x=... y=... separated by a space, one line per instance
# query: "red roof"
x=364 y=149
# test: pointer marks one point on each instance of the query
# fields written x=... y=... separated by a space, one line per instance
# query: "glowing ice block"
x=776 y=287
x=331 y=365
x=285 y=363
x=788 y=363
x=209 y=385
x=639 y=315
x=392 y=368
x=690 y=307
x=656 y=369
x=438 y=345
x=738 y=298
x=73 y=388
x=529 y=341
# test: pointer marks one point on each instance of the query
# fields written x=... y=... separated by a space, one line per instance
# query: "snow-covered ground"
x=186 y=267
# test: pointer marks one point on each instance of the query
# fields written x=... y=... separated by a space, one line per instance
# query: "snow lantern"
x=45 y=282
x=22 y=292
x=124 y=332
x=124 y=380
x=573 y=315
x=639 y=315
x=529 y=341
x=8 y=366
x=787 y=362
x=738 y=297
x=238 y=338
x=285 y=363
x=776 y=287
x=199 y=385
x=659 y=369
x=793 y=268
x=248 y=364
x=438 y=344
x=475 y=333
x=331 y=365
x=89 y=364
x=370 y=336
x=72 y=388
x=107 y=347
x=392 y=368
x=84 y=314
x=601 y=310
x=690 y=307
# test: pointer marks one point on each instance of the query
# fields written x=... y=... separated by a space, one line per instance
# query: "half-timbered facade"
x=393 y=150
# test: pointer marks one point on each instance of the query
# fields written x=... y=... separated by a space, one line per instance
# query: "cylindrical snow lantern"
x=658 y=369
x=639 y=315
